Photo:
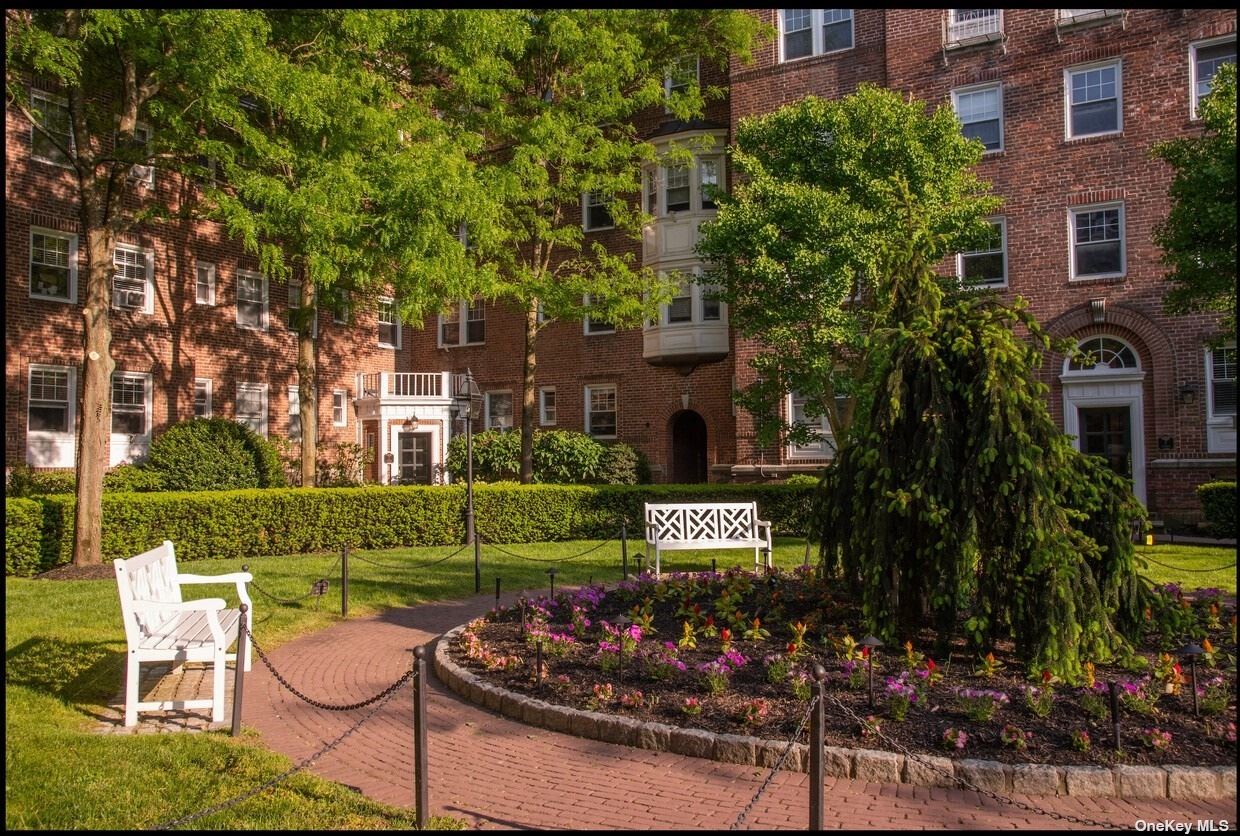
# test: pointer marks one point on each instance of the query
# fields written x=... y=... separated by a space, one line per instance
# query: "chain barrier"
x=502 y=550
x=964 y=782
x=409 y=565
x=291 y=601
x=1231 y=565
x=740 y=819
x=266 y=785
x=386 y=692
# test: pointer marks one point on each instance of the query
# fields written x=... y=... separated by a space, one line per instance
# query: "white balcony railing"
x=404 y=385
x=967 y=26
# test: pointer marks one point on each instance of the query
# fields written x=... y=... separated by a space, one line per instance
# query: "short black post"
x=805 y=562
x=869 y=670
x=344 y=582
x=641 y=563
x=497 y=593
x=1115 y=713
x=817 y=734
x=551 y=574
x=1192 y=661
x=420 y=794
x=538 y=665
x=243 y=646
x=713 y=568
x=523 y=619
x=477 y=564
x=624 y=550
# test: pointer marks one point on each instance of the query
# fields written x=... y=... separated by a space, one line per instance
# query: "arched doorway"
x=688 y=447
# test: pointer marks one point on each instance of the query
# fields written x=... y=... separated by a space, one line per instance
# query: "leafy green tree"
x=1198 y=237
x=798 y=245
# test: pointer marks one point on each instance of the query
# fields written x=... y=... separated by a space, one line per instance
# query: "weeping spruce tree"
x=956 y=495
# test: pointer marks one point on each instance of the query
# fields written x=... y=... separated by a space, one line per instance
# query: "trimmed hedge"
x=254 y=523
x=23 y=536
x=1218 y=500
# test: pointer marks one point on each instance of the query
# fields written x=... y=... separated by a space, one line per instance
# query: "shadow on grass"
x=75 y=672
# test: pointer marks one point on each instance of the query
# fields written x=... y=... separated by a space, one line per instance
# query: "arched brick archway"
x=687 y=430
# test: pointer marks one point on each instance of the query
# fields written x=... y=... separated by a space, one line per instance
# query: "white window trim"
x=1118 y=63
x=294 y=396
x=148 y=291
x=344 y=407
x=73 y=263
x=975 y=88
x=824 y=448
x=585 y=322
x=816 y=25
x=261 y=388
x=1211 y=418
x=1003 y=240
x=314 y=325
x=542 y=407
x=1073 y=211
x=486 y=409
x=211 y=272
x=210 y=395
x=53 y=99
x=388 y=300
x=697 y=75
x=143 y=173
x=462 y=334
x=1193 y=101
x=71 y=381
x=616 y=391
x=585 y=215
x=125 y=447
x=250 y=274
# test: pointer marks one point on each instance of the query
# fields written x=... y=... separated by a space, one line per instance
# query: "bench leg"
x=217 y=687
x=131 y=690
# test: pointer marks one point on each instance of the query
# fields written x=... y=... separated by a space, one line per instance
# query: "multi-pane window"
x=680 y=309
x=142 y=172
x=473 y=314
x=601 y=410
x=708 y=182
x=966 y=26
x=1205 y=60
x=129 y=404
x=52 y=133
x=294 y=414
x=476 y=322
x=837 y=29
x=204 y=283
x=295 y=312
x=676 y=191
x=980 y=110
x=49 y=404
x=680 y=75
x=389 y=323
x=53 y=265
x=1222 y=381
x=652 y=191
x=711 y=309
x=1103 y=353
x=337 y=301
x=499 y=411
x=340 y=411
x=252 y=406
x=594 y=212
x=546 y=406
x=1097 y=241
x=251 y=300
x=595 y=324
x=819 y=426
x=202 y=397
x=798 y=26
x=1094 y=100
x=130 y=281
x=987 y=265
x=815 y=31
x=691 y=302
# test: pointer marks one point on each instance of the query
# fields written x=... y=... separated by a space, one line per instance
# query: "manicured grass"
x=64 y=652
x=1196 y=558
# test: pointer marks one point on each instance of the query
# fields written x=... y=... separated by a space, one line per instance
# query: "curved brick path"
x=494 y=772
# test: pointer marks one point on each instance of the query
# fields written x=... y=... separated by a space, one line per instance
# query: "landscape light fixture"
x=873 y=644
x=1192 y=650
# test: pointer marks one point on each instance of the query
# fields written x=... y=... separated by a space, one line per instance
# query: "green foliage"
x=133 y=477
x=23 y=536
x=347 y=467
x=1218 y=500
x=621 y=464
x=803 y=480
x=564 y=457
x=560 y=457
x=206 y=454
x=23 y=481
x=1198 y=237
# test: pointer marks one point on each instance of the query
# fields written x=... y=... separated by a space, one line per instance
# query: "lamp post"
x=465 y=406
x=873 y=644
x=1192 y=651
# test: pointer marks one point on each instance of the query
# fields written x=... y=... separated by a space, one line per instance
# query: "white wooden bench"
x=161 y=627
x=707 y=525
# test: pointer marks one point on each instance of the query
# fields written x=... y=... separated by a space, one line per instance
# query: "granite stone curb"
x=876 y=766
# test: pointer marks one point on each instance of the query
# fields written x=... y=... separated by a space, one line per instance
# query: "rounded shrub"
x=23 y=481
x=620 y=464
x=133 y=477
x=566 y=457
x=1218 y=501
x=205 y=454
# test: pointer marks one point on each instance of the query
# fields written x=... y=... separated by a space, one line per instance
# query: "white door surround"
x=1101 y=387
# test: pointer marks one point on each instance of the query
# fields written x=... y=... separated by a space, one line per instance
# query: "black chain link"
x=1231 y=565
x=775 y=769
x=964 y=782
x=410 y=565
x=502 y=550
x=386 y=692
x=291 y=601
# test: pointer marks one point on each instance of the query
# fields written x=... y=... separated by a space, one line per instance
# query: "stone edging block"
x=1177 y=782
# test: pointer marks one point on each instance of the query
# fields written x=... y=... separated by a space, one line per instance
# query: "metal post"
x=344 y=582
x=869 y=668
x=1115 y=713
x=470 y=533
x=1192 y=661
x=243 y=642
x=713 y=569
x=551 y=574
x=817 y=734
x=523 y=619
x=805 y=562
x=624 y=550
x=420 y=794
x=497 y=593
x=538 y=665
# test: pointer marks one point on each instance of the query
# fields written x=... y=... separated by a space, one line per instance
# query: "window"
x=601 y=411
x=711 y=309
x=53 y=132
x=53 y=265
x=130 y=405
x=50 y=407
x=815 y=31
x=680 y=75
x=337 y=301
x=596 y=325
x=971 y=26
x=143 y=173
x=252 y=406
x=1204 y=60
x=652 y=191
x=1221 y=376
x=594 y=212
x=692 y=302
x=1094 y=99
x=676 y=195
x=1097 y=234
x=986 y=265
x=708 y=182
x=680 y=309
x=340 y=410
x=499 y=411
x=475 y=331
x=251 y=300
x=546 y=406
x=295 y=310
x=131 y=283
x=476 y=322
x=204 y=283
x=389 y=323
x=1102 y=354
x=980 y=110
x=824 y=446
x=294 y=414
x=202 y=397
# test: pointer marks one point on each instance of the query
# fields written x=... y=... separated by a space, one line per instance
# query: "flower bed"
x=732 y=653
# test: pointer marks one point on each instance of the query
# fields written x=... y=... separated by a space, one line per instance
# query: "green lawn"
x=64 y=652
x=1195 y=558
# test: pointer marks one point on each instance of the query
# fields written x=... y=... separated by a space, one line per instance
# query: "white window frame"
x=606 y=327
x=824 y=448
x=978 y=88
x=666 y=179
x=589 y=390
x=463 y=309
x=543 y=418
x=486 y=410
x=73 y=264
x=586 y=198
x=669 y=84
x=817 y=23
x=207 y=386
x=1220 y=429
x=343 y=397
x=1118 y=64
x=148 y=284
x=143 y=173
x=1193 y=99
x=697 y=305
x=62 y=102
x=71 y=403
x=210 y=268
x=1073 y=211
x=1003 y=248
x=294 y=289
x=394 y=322
x=266 y=300
x=261 y=389
x=126 y=447
x=294 y=411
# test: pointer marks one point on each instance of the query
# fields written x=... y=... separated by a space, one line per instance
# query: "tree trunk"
x=528 y=394
x=306 y=390
x=95 y=416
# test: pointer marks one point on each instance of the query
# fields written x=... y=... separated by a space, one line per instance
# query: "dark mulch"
x=923 y=729
x=69 y=572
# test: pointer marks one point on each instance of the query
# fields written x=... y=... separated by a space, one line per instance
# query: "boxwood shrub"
x=254 y=523
x=1218 y=500
x=23 y=536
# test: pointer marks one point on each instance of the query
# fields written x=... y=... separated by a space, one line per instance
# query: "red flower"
x=725 y=634
x=930 y=666
x=710 y=621
x=865 y=653
x=792 y=647
x=1046 y=677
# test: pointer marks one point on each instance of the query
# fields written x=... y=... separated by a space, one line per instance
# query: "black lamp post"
x=1192 y=650
x=465 y=407
x=551 y=573
x=622 y=622
x=873 y=644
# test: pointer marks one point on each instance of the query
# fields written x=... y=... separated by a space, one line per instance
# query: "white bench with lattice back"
x=707 y=525
x=162 y=627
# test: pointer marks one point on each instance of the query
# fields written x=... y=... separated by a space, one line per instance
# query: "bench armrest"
x=206 y=604
x=239 y=578
x=761 y=524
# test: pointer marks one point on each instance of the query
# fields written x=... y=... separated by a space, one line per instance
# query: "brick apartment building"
x=1069 y=103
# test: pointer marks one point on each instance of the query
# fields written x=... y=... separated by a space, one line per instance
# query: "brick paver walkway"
x=494 y=772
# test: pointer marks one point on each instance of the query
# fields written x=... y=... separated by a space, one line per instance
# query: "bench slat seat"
x=191 y=631
x=707 y=525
